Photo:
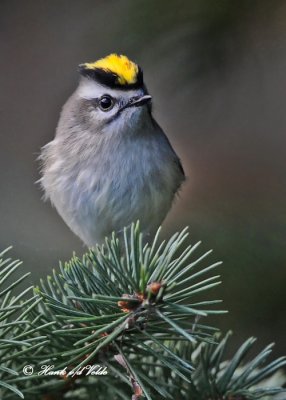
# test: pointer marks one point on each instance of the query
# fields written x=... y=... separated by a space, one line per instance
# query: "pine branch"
x=217 y=379
x=139 y=311
x=16 y=329
x=132 y=302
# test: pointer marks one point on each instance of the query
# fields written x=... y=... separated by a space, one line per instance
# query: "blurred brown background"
x=217 y=72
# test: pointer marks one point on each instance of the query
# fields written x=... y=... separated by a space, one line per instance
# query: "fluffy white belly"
x=95 y=200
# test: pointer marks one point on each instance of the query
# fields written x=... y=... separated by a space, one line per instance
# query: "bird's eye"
x=106 y=103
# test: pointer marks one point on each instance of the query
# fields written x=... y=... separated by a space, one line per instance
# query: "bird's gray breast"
x=135 y=179
x=113 y=181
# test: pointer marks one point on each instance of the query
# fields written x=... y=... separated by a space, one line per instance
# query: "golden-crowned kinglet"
x=110 y=163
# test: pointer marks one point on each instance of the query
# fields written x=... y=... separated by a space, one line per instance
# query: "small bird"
x=110 y=163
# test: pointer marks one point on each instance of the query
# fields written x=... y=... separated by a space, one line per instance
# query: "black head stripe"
x=110 y=79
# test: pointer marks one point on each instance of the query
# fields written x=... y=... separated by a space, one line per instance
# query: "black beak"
x=137 y=101
x=142 y=100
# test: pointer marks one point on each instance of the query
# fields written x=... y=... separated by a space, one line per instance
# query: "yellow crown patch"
x=126 y=71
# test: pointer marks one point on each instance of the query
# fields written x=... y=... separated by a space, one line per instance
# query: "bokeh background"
x=216 y=70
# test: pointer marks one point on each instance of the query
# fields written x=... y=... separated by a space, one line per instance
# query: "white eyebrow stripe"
x=89 y=89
